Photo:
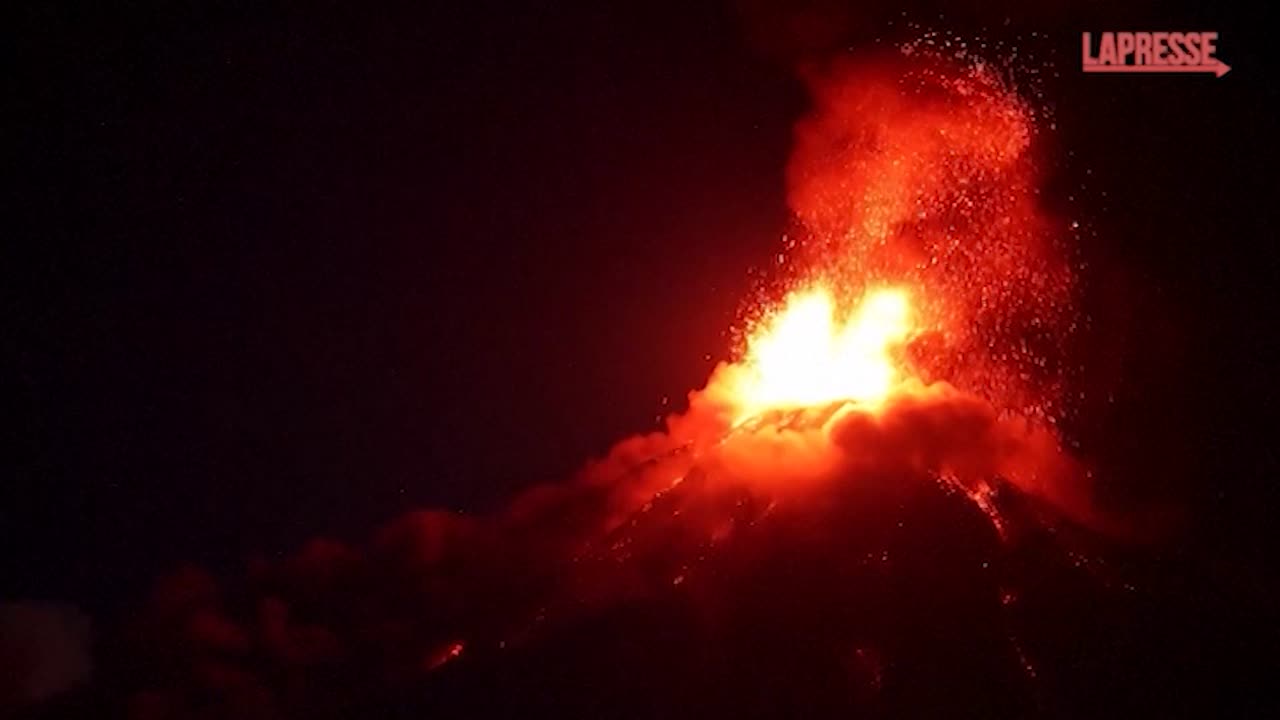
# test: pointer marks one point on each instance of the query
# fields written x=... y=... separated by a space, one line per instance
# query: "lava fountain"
x=803 y=356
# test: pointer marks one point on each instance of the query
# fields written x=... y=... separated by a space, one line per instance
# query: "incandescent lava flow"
x=839 y=520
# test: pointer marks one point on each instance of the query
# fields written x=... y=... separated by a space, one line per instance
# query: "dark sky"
x=288 y=270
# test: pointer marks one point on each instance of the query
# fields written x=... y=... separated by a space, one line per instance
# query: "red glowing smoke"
x=921 y=170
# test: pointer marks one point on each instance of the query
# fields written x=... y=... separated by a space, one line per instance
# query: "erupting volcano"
x=836 y=521
x=926 y=277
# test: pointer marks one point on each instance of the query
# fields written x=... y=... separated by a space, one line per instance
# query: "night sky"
x=285 y=270
x=295 y=269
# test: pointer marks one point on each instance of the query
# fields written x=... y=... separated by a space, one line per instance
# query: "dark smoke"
x=44 y=651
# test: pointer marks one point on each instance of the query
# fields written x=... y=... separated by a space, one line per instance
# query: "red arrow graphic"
x=1217 y=67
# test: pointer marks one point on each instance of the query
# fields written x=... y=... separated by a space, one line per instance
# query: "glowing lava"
x=802 y=356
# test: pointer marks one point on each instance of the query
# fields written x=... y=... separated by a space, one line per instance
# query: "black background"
x=279 y=270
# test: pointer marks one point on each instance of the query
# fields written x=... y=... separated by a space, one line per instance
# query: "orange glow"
x=802 y=356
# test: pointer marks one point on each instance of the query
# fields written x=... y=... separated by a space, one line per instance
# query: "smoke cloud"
x=44 y=651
